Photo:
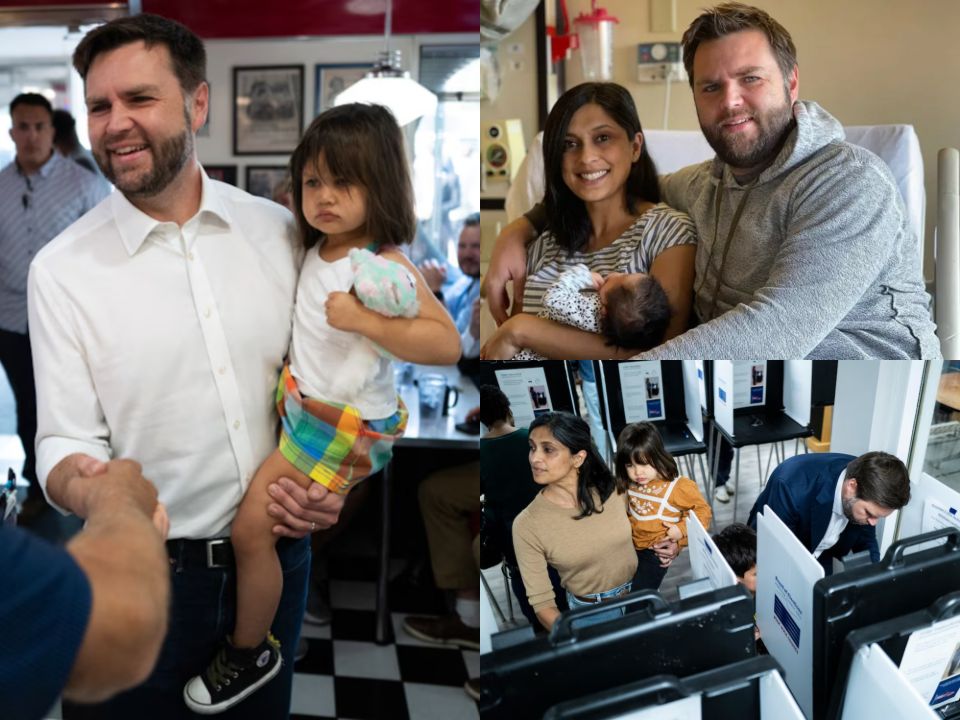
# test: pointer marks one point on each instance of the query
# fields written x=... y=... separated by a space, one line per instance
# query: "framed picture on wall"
x=267 y=109
x=224 y=173
x=334 y=79
x=263 y=179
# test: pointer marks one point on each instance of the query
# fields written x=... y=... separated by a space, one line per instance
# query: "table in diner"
x=438 y=433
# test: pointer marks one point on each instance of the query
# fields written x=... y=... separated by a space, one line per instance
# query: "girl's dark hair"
x=494 y=405
x=574 y=434
x=738 y=545
x=640 y=443
x=566 y=213
x=361 y=145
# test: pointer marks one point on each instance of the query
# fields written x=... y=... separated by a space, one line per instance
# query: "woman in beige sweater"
x=577 y=523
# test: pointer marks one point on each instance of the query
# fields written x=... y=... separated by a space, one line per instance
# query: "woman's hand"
x=508 y=263
x=504 y=343
x=666 y=551
x=673 y=532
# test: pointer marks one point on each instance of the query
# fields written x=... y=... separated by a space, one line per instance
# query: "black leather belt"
x=215 y=553
x=597 y=601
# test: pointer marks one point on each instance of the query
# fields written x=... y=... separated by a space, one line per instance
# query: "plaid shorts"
x=330 y=442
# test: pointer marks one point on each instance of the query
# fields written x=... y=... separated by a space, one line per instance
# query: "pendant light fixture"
x=389 y=85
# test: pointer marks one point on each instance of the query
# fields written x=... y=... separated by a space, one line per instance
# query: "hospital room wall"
x=868 y=62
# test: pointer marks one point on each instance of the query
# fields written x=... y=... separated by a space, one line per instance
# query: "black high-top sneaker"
x=234 y=674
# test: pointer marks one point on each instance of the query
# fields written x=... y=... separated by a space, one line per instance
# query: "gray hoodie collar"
x=814 y=129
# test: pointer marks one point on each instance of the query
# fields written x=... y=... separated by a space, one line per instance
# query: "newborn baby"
x=630 y=310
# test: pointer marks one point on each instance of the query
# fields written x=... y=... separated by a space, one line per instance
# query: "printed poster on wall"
x=750 y=383
x=527 y=391
x=641 y=384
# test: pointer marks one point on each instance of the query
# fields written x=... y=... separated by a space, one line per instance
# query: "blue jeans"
x=202 y=614
x=603 y=616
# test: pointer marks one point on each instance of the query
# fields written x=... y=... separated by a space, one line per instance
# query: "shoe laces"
x=221 y=671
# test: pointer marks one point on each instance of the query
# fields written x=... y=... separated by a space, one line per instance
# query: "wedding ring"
x=313 y=527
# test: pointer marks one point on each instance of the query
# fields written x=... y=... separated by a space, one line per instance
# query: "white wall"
x=224 y=55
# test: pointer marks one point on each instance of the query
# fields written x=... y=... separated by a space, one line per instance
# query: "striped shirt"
x=34 y=210
x=658 y=229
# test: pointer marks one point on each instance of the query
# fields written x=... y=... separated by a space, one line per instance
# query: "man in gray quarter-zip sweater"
x=805 y=248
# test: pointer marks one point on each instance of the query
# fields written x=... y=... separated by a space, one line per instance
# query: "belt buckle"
x=211 y=544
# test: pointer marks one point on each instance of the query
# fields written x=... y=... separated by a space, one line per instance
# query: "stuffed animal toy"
x=385 y=287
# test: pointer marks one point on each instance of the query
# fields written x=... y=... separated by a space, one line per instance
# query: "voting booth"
x=904 y=581
x=786 y=575
x=760 y=402
x=700 y=633
x=923 y=654
x=663 y=392
x=533 y=388
x=706 y=561
x=748 y=690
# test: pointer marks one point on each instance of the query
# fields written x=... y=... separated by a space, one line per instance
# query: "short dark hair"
x=186 y=50
x=731 y=17
x=494 y=405
x=738 y=545
x=472 y=220
x=64 y=129
x=574 y=434
x=34 y=99
x=362 y=145
x=641 y=443
x=881 y=478
x=637 y=317
x=567 y=215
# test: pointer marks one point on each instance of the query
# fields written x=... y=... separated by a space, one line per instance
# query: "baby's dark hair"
x=361 y=145
x=738 y=545
x=637 y=316
x=494 y=405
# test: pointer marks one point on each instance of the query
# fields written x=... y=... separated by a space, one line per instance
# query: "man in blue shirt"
x=55 y=639
x=41 y=193
x=462 y=297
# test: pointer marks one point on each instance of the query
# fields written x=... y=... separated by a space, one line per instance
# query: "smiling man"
x=805 y=248
x=159 y=325
x=832 y=502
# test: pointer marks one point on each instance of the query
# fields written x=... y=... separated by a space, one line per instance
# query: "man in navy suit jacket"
x=832 y=502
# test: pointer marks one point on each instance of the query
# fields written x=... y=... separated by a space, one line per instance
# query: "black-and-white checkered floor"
x=345 y=675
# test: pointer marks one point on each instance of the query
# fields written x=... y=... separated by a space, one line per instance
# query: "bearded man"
x=159 y=324
x=832 y=502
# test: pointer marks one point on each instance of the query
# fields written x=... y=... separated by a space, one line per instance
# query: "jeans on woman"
x=598 y=598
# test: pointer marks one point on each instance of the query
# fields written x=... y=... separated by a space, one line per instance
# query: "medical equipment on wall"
x=596 y=42
x=501 y=149
x=660 y=62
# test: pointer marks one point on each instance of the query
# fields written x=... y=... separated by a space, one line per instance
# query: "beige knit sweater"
x=592 y=555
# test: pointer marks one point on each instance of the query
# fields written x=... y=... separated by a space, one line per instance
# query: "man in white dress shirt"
x=160 y=322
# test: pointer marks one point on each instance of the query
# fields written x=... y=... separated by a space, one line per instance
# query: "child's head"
x=636 y=310
x=738 y=545
x=641 y=456
x=565 y=155
x=351 y=164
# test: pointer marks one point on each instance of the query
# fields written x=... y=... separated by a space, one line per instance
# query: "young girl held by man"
x=340 y=412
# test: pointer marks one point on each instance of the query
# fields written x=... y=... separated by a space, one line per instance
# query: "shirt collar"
x=45 y=169
x=838 y=496
x=135 y=226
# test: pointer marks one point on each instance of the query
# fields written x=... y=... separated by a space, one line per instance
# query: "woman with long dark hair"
x=602 y=211
x=577 y=522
